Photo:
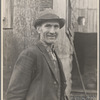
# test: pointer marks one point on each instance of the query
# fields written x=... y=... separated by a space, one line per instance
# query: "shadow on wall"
x=10 y=53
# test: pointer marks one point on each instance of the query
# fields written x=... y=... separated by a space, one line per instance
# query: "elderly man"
x=38 y=72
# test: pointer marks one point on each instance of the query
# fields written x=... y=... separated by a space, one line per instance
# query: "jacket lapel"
x=61 y=68
x=62 y=75
x=47 y=57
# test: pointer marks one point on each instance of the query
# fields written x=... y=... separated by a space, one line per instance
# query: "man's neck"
x=51 y=46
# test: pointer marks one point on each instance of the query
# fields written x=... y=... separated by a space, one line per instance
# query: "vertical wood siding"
x=7 y=13
x=88 y=9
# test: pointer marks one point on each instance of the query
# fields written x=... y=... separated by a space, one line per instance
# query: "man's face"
x=48 y=32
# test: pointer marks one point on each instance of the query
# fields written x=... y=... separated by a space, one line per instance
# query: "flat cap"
x=48 y=15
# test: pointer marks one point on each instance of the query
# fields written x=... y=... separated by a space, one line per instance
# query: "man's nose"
x=52 y=30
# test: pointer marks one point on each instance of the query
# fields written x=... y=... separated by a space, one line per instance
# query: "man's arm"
x=21 y=78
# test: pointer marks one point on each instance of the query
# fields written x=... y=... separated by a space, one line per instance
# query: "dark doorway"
x=86 y=50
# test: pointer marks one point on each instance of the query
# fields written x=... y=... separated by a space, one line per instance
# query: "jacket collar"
x=50 y=62
x=47 y=57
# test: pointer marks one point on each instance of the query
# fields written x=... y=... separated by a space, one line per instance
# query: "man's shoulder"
x=32 y=48
x=30 y=51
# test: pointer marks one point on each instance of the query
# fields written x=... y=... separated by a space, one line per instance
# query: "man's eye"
x=48 y=26
x=56 y=26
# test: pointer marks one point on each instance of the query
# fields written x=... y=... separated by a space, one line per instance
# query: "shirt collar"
x=48 y=48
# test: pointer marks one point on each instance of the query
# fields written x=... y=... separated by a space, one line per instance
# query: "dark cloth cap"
x=48 y=15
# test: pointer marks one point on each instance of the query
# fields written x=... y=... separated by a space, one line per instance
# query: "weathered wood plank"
x=8 y=13
x=88 y=9
x=95 y=21
x=92 y=4
x=92 y=24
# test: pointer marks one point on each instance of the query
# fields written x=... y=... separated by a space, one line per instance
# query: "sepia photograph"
x=49 y=50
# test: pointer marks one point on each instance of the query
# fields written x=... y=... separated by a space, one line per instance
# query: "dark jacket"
x=33 y=77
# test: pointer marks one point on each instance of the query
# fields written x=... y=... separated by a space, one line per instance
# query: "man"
x=38 y=72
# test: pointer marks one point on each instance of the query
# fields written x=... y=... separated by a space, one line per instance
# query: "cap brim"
x=38 y=22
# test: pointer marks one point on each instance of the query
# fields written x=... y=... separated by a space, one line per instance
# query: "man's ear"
x=38 y=28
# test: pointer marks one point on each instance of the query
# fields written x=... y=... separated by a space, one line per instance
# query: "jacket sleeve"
x=21 y=77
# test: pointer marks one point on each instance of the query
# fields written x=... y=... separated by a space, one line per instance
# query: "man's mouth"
x=52 y=36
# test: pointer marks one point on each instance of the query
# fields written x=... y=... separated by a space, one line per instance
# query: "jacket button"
x=55 y=82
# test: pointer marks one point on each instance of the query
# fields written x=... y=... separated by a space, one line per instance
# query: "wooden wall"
x=8 y=13
x=88 y=9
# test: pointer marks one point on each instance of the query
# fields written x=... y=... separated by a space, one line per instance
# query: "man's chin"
x=50 y=42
